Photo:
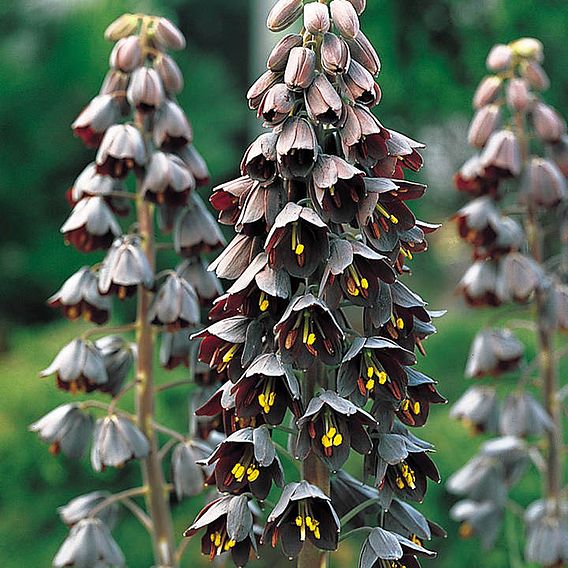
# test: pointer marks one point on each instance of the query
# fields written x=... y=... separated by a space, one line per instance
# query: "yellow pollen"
x=317 y=533
x=212 y=537
x=337 y=440
x=416 y=408
x=299 y=521
x=382 y=378
x=72 y=312
x=364 y=283
x=331 y=432
x=263 y=302
x=253 y=475
x=399 y=483
x=394 y=220
x=230 y=354
x=370 y=371
x=405 y=405
x=299 y=249
x=400 y=323
x=326 y=442
x=311 y=339
x=122 y=292
x=217 y=539
x=370 y=385
x=230 y=544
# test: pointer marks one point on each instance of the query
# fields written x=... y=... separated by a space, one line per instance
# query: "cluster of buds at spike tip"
x=323 y=217
x=517 y=188
x=138 y=130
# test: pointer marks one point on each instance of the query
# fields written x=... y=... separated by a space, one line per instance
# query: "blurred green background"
x=52 y=60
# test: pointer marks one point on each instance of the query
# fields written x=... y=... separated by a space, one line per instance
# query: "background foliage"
x=52 y=60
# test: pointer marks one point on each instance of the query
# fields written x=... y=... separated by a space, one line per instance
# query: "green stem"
x=360 y=508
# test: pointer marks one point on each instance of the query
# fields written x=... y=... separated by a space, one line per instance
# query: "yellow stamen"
x=338 y=440
x=230 y=354
x=299 y=249
x=416 y=408
x=364 y=283
x=370 y=385
x=400 y=323
x=382 y=378
x=370 y=371
x=311 y=339
x=326 y=442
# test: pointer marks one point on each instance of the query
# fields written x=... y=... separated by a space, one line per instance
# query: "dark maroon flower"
x=474 y=179
x=302 y=512
x=330 y=427
x=308 y=330
x=246 y=461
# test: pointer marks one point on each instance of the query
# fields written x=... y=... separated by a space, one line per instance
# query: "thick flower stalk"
x=514 y=223
x=139 y=131
x=316 y=336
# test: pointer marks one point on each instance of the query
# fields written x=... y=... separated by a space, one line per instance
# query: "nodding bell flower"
x=300 y=68
x=478 y=410
x=374 y=367
x=547 y=532
x=168 y=180
x=360 y=85
x=80 y=508
x=268 y=388
x=246 y=461
x=355 y=272
x=407 y=521
x=124 y=268
x=544 y=184
x=172 y=130
x=478 y=222
x=122 y=149
x=118 y=357
x=420 y=394
x=483 y=124
x=323 y=103
x=222 y=343
x=337 y=188
x=298 y=241
x=519 y=277
x=170 y=74
x=259 y=161
x=283 y=14
x=261 y=86
x=523 y=416
x=238 y=254
x=91 y=225
x=474 y=179
x=78 y=367
x=400 y=464
x=479 y=284
x=176 y=305
x=228 y=524
x=175 y=349
x=502 y=154
x=330 y=427
x=308 y=331
x=303 y=512
x=348 y=493
x=66 y=429
x=280 y=53
x=479 y=518
x=204 y=282
x=101 y=113
x=117 y=440
x=494 y=352
x=187 y=476
x=276 y=105
x=259 y=289
x=195 y=162
x=145 y=90
x=89 y=544
x=79 y=297
x=196 y=231
x=296 y=148
x=488 y=91
x=364 y=53
x=385 y=549
x=335 y=55
x=126 y=55
x=167 y=36
x=548 y=124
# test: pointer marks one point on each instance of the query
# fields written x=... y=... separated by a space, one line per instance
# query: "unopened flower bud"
x=499 y=58
x=363 y=52
x=359 y=5
x=145 y=90
x=300 y=69
x=316 y=18
x=345 y=18
x=126 y=55
x=549 y=125
x=528 y=47
x=335 y=56
x=535 y=75
x=170 y=74
x=118 y=357
x=167 y=35
x=123 y=26
x=172 y=129
x=487 y=91
x=80 y=508
x=518 y=95
x=115 y=82
x=484 y=122
x=284 y=14
x=559 y=153
x=281 y=51
x=101 y=113
x=196 y=164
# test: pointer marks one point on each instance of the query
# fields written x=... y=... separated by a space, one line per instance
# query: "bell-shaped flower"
x=124 y=268
x=374 y=366
x=175 y=349
x=176 y=304
x=385 y=548
x=488 y=91
x=479 y=284
x=196 y=164
x=126 y=55
x=494 y=352
x=80 y=508
x=330 y=426
x=479 y=518
x=364 y=53
x=547 y=532
x=145 y=90
x=167 y=35
x=121 y=150
x=407 y=521
x=222 y=343
x=78 y=367
x=300 y=68
x=308 y=331
x=478 y=409
x=66 y=429
x=167 y=180
x=268 y=388
x=236 y=256
x=502 y=154
x=187 y=476
x=335 y=54
x=484 y=123
x=478 y=221
x=544 y=184
x=296 y=148
x=246 y=461
x=348 y=493
x=117 y=440
x=360 y=85
x=261 y=86
x=79 y=296
x=323 y=103
x=298 y=241
x=420 y=394
x=118 y=357
x=101 y=113
x=196 y=231
x=205 y=283
x=276 y=105
x=303 y=512
x=89 y=544
x=548 y=124
x=474 y=179
x=523 y=416
x=91 y=225
x=520 y=276
x=259 y=161
x=170 y=74
x=228 y=524
x=172 y=130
